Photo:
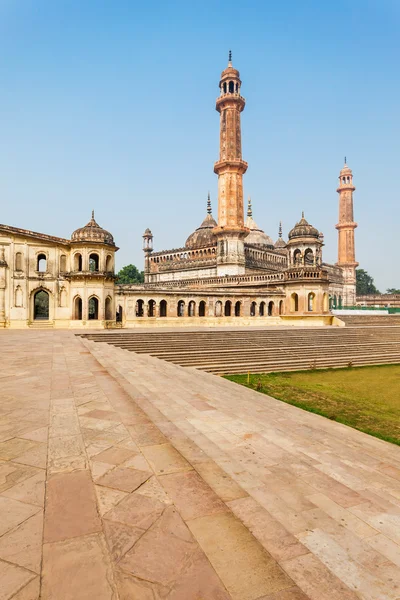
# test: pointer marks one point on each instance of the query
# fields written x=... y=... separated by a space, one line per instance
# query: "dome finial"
x=249 y=209
x=208 y=204
x=280 y=229
x=302 y=214
x=230 y=58
x=345 y=160
x=92 y=214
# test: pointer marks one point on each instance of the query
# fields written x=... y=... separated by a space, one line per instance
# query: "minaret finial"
x=280 y=229
x=230 y=58
x=92 y=214
x=345 y=160
x=208 y=204
x=249 y=209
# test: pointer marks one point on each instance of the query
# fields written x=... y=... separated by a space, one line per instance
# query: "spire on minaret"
x=345 y=160
x=249 y=209
x=208 y=204
x=230 y=58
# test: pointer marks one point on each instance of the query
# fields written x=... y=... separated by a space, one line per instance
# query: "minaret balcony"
x=231 y=164
x=233 y=98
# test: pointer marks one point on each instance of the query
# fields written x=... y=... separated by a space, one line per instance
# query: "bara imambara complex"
x=228 y=272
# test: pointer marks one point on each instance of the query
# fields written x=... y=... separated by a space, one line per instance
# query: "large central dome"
x=204 y=235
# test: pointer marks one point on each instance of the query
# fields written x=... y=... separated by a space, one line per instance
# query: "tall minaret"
x=230 y=168
x=346 y=226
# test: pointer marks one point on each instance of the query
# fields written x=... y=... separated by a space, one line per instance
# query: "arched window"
x=231 y=87
x=41 y=302
x=224 y=87
x=297 y=257
x=77 y=262
x=294 y=303
x=78 y=308
x=309 y=257
x=237 y=309
x=228 y=308
x=181 y=309
x=109 y=264
x=93 y=309
x=151 y=308
x=41 y=263
x=253 y=309
x=18 y=296
x=18 y=261
x=262 y=309
x=191 y=308
x=218 y=309
x=108 y=309
x=139 y=308
x=63 y=263
x=271 y=307
x=202 y=309
x=93 y=262
x=281 y=307
x=163 y=308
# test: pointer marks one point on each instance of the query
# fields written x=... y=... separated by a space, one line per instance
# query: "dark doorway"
x=163 y=308
x=41 y=306
x=202 y=309
x=78 y=309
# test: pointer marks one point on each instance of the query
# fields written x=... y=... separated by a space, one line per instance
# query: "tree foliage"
x=392 y=291
x=130 y=274
x=365 y=283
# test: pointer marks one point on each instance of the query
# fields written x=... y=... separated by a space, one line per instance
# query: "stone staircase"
x=370 y=320
x=264 y=350
x=41 y=324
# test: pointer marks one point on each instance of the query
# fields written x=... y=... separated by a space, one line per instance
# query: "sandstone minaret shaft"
x=230 y=169
x=346 y=227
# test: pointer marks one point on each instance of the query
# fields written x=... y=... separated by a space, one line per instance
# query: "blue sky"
x=111 y=106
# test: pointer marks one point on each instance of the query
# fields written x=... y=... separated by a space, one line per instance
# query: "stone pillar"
x=3 y=271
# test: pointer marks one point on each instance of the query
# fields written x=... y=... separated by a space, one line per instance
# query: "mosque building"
x=228 y=272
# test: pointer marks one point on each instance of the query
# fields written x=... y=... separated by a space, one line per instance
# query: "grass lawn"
x=367 y=398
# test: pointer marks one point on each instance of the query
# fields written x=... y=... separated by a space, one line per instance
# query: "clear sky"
x=111 y=105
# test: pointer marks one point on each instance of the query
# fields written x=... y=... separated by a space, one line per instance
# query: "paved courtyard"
x=126 y=477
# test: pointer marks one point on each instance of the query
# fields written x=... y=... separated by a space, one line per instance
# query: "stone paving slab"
x=126 y=477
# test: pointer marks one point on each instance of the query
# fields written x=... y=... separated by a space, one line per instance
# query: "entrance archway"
x=78 y=308
x=163 y=308
x=93 y=312
x=228 y=308
x=108 y=309
x=41 y=306
x=237 y=309
x=202 y=309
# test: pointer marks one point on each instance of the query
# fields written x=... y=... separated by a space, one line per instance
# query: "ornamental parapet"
x=306 y=273
x=228 y=280
x=90 y=274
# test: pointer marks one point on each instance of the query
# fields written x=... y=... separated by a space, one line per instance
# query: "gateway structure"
x=229 y=270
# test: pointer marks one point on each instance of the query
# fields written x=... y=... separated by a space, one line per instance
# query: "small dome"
x=203 y=236
x=147 y=233
x=280 y=243
x=256 y=236
x=303 y=229
x=92 y=232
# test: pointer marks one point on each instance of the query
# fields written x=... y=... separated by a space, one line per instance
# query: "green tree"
x=365 y=283
x=130 y=274
x=392 y=291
